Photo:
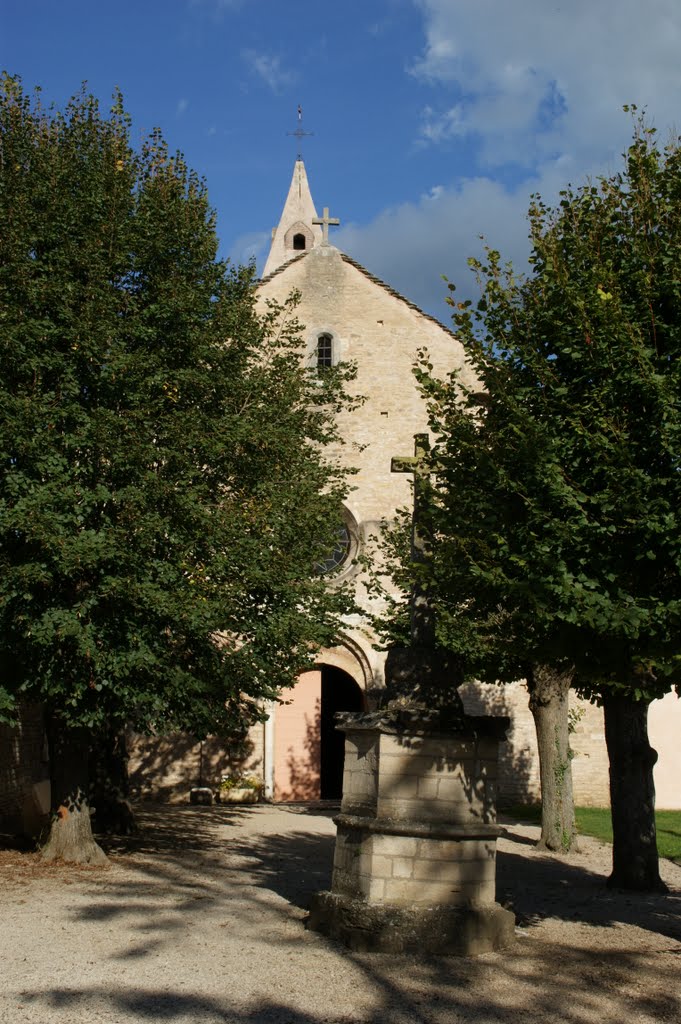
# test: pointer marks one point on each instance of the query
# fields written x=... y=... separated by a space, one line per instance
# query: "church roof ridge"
x=282 y=267
x=397 y=295
x=367 y=273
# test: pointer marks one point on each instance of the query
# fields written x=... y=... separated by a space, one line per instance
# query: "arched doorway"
x=340 y=692
x=308 y=751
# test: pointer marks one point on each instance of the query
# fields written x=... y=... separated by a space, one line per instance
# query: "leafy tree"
x=492 y=641
x=559 y=484
x=164 y=491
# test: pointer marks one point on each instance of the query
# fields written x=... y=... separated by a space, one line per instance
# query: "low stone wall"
x=166 y=768
x=439 y=866
x=519 y=781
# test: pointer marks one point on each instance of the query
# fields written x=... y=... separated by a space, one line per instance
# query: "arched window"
x=324 y=351
x=337 y=555
x=299 y=241
x=340 y=557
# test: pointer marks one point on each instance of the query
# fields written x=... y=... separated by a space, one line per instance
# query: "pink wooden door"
x=297 y=740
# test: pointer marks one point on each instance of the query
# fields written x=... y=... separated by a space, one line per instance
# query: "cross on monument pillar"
x=325 y=221
x=421 y=609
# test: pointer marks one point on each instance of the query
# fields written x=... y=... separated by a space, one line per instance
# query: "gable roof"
x=366 y=273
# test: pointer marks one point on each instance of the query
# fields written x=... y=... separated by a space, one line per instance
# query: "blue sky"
x=433 y=120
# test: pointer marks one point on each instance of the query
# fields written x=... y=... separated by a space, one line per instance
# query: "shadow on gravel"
x=20 y=844
x=194 y=871
x=535 y=985
x=186 y=849
x=295 y=866
x=174 y=828
x=536 y=887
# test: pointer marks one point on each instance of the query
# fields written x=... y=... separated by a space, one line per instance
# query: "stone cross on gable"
x=325 y=221
x=422 y=612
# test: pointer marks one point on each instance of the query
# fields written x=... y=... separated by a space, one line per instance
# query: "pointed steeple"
x=296 y=230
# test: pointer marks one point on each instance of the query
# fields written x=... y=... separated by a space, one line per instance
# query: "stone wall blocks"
x=412 y=810
x=451 y=850
x=459 y=873
x=402 y=867
x=396 y=846
x=406 y=891
x=395 y=787
x=453 y=790
x=383 y=867
x=374 y=888
x=404 y=763
x=427 y=788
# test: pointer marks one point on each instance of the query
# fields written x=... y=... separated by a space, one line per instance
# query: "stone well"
x=415 y=857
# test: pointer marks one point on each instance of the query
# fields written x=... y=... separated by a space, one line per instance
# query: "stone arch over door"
x=308 y=752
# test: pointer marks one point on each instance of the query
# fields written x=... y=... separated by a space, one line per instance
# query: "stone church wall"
x=519 y=781
x=165 y=768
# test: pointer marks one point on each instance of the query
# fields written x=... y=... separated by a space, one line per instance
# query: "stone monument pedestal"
x=415 y=858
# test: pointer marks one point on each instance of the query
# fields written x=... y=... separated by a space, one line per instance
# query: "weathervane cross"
x=299 y=133
x=325 y=221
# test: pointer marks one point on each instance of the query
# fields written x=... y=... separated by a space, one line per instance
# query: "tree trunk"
x=635 y=863
x=70 y=835
x=109 y=785
x=549 y=692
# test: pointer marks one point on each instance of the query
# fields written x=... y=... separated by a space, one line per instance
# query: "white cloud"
x=531 y=84
x=269 y=69
x=413 y=245
x=253 y=245
x=436 y=127
x=537 y=80
x=182 y=105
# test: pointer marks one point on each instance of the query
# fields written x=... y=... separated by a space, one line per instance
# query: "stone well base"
x=385 y=928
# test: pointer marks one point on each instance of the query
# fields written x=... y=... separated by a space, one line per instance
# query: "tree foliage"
x=559 y=477
x=575 y=442
x=164 y=491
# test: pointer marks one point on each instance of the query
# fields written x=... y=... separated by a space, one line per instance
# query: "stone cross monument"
x=423 y=673
x=422 y=617
x=414 y=864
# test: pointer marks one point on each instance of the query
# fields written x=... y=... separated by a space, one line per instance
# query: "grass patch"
x=595 y=821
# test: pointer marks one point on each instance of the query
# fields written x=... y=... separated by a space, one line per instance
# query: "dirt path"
x=201 y=920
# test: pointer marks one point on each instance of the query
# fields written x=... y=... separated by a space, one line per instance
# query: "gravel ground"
x=201 y=920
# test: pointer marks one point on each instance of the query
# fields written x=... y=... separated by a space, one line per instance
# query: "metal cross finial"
x=299 y=133
x=325 y=221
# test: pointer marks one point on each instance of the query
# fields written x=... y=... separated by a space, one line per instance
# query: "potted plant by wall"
x=239 y=789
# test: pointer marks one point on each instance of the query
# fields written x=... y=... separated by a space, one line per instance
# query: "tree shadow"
x=243 y=892
x=295 y=866
x=16 y=842
x=518 y=778
x=536 y=888
x=572 y=985
x=175 y=829
x=304 y=780
x=161 y=767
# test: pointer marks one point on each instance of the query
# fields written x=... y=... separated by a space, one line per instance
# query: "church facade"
x=350 y=315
